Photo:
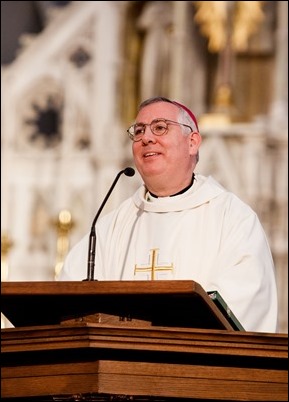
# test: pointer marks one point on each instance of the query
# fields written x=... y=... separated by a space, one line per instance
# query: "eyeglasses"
x=158 y=127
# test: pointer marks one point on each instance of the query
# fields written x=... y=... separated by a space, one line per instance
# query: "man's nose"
x=148 y=135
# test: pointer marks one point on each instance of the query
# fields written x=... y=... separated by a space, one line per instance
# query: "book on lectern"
x=225 y=310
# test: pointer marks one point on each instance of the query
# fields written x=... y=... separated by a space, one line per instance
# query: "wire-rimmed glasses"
x=158 y=127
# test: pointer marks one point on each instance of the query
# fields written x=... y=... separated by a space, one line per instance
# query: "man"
x=182 y=225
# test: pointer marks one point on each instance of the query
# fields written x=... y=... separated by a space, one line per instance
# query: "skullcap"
x=190 y=113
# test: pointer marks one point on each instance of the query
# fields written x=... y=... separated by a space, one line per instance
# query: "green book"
x=225 y=310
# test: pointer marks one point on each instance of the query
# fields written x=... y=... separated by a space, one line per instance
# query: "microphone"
x=129 y=171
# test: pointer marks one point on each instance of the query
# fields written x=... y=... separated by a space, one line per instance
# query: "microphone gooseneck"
x=129 y=171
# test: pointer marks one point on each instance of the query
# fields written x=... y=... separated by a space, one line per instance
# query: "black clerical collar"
x=179 y=192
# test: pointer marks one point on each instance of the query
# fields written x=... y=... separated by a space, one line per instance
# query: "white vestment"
x=206 y=234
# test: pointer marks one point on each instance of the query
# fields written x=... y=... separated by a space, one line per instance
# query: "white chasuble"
x=206 y=234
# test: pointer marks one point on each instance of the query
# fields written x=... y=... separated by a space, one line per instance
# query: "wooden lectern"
x=132 y=341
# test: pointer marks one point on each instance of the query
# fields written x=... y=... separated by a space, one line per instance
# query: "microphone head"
x=129 y=171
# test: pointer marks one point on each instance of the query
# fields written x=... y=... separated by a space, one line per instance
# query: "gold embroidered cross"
x=153 y=267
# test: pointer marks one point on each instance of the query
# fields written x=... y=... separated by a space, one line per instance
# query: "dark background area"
x=19 y=17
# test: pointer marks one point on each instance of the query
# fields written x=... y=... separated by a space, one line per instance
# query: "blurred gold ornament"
x=6 y=245
x=64 y=225
x=228 y=21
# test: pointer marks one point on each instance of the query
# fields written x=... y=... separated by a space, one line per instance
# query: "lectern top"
x=156 y=303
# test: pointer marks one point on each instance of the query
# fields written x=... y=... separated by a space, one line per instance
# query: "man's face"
x=170 y=157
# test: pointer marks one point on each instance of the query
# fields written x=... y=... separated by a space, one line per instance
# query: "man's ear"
x=195 y=142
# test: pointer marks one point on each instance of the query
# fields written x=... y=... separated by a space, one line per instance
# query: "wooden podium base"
x=95 y=362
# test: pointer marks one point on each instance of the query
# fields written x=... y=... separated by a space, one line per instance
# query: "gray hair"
x=183 y=116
